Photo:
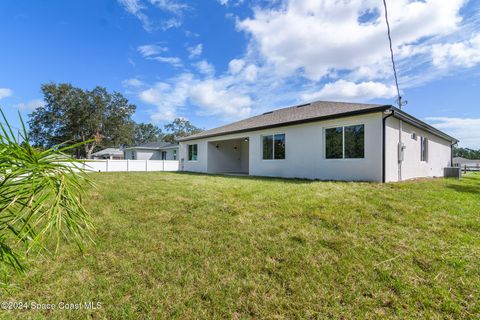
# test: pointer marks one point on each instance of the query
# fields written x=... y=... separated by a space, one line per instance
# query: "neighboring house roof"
x=309 y=112
x=154 y=145
x=463 y=160
x=108 y=151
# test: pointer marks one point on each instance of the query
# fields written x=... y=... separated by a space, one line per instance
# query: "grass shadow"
x=266 y=179
x=465 y=189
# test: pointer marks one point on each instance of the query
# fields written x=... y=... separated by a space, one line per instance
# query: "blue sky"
x=217 y=61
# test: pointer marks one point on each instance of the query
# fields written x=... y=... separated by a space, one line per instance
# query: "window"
x=334 y=143
x=345 y=142
x=164 y=155
x=174 y=154
x=354 y=142
x=274 y=147
x=133 y=155
x=192 y=152
x=423 y=149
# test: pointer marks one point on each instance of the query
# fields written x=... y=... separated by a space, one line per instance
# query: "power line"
x=400 y=102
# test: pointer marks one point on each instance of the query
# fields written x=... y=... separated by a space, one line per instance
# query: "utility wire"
x=400 y=103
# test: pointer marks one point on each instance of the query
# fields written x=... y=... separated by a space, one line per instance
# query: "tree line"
x=466 y=153
x=96 y=117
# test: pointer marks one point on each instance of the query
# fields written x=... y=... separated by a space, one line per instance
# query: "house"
x=159 y=150
x=323 y=140
x=462 y=162
x=108 y=153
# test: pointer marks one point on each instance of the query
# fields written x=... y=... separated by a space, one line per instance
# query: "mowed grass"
x=177 y=245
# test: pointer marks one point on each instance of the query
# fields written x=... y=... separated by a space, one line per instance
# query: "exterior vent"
x=414 y=136
x=267 y=112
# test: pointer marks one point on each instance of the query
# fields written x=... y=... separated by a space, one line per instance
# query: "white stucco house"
x=323 y=140
x=461 y=162
x=152 y=151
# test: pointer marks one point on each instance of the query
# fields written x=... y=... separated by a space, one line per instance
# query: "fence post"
x=163 y=165
x=146 y=165
x=465 y=170
x=107 y=166
x=128 y=162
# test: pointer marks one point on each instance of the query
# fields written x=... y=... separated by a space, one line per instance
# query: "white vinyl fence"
x=130 y=165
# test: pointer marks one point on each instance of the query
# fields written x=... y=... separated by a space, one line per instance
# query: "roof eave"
x=140 y=148
x=291 y=123
x=399 y=114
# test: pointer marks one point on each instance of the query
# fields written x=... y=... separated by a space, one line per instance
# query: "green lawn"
x=173 y=245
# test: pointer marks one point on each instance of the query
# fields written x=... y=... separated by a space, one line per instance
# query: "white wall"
x=170 y=153
x=143 y=154
x=199 y=165
x=304 y=152
x=412 y=167
x=130 y=165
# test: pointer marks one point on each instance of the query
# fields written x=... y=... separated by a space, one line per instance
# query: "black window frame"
x=164 y=155
x=343 y=130
x=192 y=152
x=273 y=139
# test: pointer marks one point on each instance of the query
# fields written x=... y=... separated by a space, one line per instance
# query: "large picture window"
x=347 y=142
x=423 y=149
x=192 y=152
x=273 y=147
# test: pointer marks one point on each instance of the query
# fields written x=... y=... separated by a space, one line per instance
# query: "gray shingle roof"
x=154 y=145
x=291 y=115
x=108 y=151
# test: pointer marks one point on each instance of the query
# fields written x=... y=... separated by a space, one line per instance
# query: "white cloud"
x=205 y=67
x=251 y=73
x=342 y=90
x=314 y=37
x=140 y=8
x=230 y=2
x=321 y=49
x=133 y=82
x=236 y=65
x=464 y=129
x=221 y=96
x=135 y=7
x=170 y=5
x=5 y=92
x=195 y=51
x=30 y=105
x=152 y=51
x=215 y=99
x=174 y=61
x=458 y=54
x=149 y=50
x=167 y=97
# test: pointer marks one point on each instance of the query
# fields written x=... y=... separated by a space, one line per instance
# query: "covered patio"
x=229 y=156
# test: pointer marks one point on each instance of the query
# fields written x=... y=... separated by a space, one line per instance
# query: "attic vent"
x=302 y=105
x=414 y=136
x=268 y=112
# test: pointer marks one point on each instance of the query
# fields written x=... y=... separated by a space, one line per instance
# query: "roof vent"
x=267 y=112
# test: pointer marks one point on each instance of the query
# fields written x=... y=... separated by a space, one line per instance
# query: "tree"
x=40 y=200
x=146 y=132
x=466 y=153
x=179 y=128
x=96 y=117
